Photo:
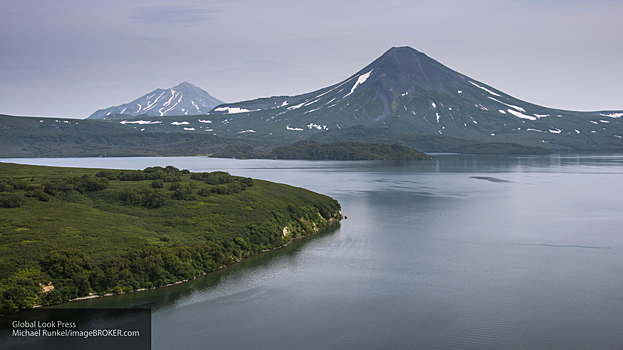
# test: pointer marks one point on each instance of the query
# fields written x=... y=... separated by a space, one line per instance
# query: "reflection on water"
x=459 y=252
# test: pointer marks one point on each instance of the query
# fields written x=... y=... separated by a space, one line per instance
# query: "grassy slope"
x=102 y=227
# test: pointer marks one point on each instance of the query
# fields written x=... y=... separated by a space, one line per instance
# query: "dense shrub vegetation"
x=84 y=232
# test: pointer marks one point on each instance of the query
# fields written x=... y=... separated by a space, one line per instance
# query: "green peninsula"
x=67 y=233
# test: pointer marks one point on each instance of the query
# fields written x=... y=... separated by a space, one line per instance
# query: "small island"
x=68 y=233
x=312 y=150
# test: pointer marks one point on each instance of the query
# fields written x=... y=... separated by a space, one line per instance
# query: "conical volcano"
x=407 y=92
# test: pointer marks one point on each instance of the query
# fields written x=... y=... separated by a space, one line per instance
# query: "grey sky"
x=68 y=58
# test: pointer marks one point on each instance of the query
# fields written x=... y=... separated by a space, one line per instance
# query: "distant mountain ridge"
x=408 y=92
x=182 y=99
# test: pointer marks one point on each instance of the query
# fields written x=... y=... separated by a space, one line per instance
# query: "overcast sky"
x=68 y=58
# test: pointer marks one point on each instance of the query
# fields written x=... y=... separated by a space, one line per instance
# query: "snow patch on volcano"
x=362 y=78
x=485 y=89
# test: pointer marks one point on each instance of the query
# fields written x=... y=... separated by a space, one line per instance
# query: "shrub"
x=19 y=184
x=230 y=188
x=39 y=194
x=149 y=198
x=218 y=178
x=172 y=178
x=63 y=185
x=152 y=199
x=86 y=183
x=129 y=195
x=247 y=181
x=66 y=263
x=182 y=192
x=5 y=187
x=50 y=188
x=109 y=174
x=178 y=194
x=10 y=201
x=154 y=169
x=135 y=175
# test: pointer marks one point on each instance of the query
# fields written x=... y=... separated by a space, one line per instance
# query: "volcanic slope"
x=407 y=92
x=182 y=99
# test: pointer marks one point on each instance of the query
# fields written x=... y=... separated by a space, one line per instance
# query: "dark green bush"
x=153 y=198
x=86 y=183
x=66 y=263
x=109 y=174
x=149 y=197
x=50 y=188
x=135 y=175
x=19 y=184
x=230 y=188
x=247 y=181
x=10 y=201
x=182 y=192
x=39 y=194
x=129 y=195
x=217 y=178
x=5 y=187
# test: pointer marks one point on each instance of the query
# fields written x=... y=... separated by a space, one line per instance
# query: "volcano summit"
x=182 y=99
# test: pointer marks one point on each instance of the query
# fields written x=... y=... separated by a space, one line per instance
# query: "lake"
x=459 y=252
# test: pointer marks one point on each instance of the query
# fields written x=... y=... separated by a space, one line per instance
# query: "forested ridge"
x=312 y=150
x=67 y=233
x=347 y=151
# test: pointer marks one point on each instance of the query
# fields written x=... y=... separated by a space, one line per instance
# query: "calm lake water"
x=460 y=252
